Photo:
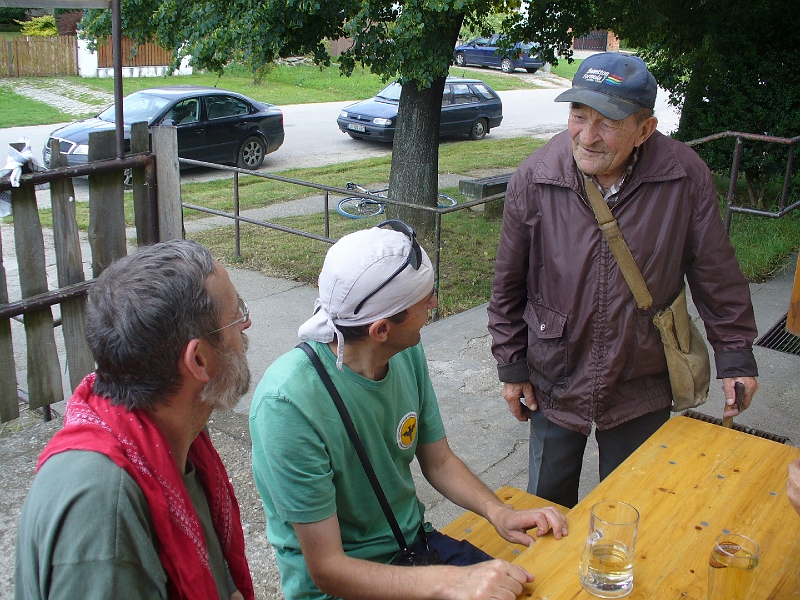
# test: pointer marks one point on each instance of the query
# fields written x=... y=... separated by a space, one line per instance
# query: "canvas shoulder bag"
x=687 y=356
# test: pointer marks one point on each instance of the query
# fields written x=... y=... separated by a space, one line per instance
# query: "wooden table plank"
x=690 y=481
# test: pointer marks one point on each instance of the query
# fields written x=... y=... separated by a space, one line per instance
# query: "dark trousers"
x=449 y=551
x=556 y=454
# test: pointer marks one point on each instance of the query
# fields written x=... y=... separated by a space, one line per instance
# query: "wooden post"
x=9 y=404
x=140 y=142
x=106 y=206
x=170 y=211
x=793 y=317
x=69 y=263
x=44 y=374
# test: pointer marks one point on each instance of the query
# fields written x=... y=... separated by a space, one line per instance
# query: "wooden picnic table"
x=690 y=482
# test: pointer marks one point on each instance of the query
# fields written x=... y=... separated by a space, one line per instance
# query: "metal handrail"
x=327 y=189
x=737 y=156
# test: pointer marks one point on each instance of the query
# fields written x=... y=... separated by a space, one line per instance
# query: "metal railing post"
x=737 y=156
x=327 y=216
x=236 y=227
x=437 y=219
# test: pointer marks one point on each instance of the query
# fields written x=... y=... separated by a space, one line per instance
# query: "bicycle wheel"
x=358 y=208
x=446 y=201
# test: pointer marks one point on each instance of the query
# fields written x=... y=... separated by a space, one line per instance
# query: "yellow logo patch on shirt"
x=407 y=431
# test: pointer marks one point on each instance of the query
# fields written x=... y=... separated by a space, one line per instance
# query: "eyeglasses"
x=414 y=257
x=243 y=311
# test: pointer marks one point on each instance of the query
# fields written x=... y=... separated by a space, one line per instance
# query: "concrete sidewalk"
x=479 y=426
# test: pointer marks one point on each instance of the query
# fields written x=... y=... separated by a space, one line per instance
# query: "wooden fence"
x=107 y=241
x=145 y=55
x=58 y=55
x=38 y=56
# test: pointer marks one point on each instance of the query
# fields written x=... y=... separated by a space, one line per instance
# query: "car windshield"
x=137 y=107
x=391 y=92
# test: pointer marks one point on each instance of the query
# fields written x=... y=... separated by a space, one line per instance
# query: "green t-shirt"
x=306 y=468
x=85 y=532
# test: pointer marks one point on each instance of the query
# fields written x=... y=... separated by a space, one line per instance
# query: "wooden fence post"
x=9 y=402
x=69 y=263
x=44 y=374
x=106 y=206
x=140 y=142
x=170 y=211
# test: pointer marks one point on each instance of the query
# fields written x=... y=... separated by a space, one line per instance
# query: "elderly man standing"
x=331 y=534
x=131 y=499
x=572 y=348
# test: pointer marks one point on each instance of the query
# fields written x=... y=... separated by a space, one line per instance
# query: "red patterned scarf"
x=137 y=445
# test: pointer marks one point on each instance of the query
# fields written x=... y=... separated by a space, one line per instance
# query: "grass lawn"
x=565 y=69
x=19 y=111
x=301 y=84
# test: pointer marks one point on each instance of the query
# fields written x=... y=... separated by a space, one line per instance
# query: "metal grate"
x=737 y=427
x=777 y=338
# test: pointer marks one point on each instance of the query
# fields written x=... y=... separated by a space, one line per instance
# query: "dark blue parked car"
x=469 y=107
x=213 y=125
x=485 y=52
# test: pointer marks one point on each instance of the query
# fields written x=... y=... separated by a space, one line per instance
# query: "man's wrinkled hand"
x=793 y=485
x=520 y=398
x=729 y=389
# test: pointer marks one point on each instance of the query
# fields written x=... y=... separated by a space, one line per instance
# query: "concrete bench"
x=479 y=532
x=483 y=187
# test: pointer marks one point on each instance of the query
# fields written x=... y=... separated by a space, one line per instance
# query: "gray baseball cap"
x=615 y=85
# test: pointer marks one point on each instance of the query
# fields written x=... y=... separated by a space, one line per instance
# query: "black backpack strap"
x=359 y=447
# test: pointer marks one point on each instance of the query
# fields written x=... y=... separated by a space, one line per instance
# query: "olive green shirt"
x=85 y=532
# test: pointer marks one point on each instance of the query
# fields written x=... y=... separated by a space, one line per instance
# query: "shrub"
x=39 y=26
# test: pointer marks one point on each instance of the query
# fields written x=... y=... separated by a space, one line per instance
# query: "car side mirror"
x=167 y=123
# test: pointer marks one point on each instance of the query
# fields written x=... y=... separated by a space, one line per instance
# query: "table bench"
x=479 y=532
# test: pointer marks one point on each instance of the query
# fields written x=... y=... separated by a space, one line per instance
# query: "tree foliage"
x=731 y=65
x=410 y=40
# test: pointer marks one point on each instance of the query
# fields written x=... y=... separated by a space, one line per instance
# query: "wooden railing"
x=155 y=217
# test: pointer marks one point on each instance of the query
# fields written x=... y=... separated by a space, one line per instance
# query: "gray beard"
x=232 y=380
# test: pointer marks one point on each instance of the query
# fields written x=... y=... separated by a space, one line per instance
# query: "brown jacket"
x=561 y=313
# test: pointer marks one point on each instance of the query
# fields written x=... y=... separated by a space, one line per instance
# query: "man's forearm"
x=452 y=478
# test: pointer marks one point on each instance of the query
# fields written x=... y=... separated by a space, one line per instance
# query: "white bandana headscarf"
x=354 y=267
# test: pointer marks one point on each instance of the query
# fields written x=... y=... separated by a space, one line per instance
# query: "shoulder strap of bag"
x=610 y=228
x=362 y=454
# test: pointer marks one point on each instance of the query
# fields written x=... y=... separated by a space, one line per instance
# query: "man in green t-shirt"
x=330 y=534
x=130 y=499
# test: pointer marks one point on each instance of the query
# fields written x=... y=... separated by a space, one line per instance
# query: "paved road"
x=313 y=138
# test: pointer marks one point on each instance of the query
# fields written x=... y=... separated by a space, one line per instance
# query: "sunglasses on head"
x=414 y=257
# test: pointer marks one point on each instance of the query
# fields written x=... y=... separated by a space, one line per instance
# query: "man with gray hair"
x=324 y=518
x=573 y=349
x=131 y=500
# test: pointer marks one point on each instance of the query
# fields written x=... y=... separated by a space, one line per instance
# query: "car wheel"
x=461 y=60
x=479 y=130
x=506 y=66
x=251 y=154
x=529 y=70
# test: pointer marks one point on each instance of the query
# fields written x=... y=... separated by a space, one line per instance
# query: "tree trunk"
x=415 y=156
